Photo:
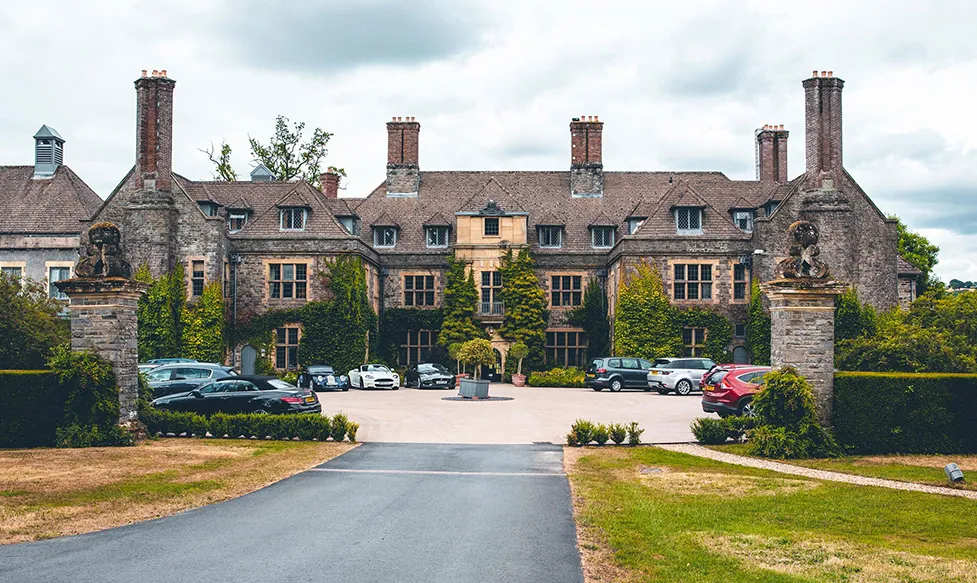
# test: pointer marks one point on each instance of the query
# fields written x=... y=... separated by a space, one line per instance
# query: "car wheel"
x=616 y=385
x=598 y=389
x=747 y=409
x=261 y=412
x=647 y=389
x=683 y=387
x=362 y=384
x=345 y=389
x=662 y=391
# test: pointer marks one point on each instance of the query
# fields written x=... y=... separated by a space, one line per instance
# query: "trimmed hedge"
x=557 y=377
x=906 y=412
x=32 y=408
x=305 y=426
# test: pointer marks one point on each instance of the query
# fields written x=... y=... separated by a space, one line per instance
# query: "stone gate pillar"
x=103 y=313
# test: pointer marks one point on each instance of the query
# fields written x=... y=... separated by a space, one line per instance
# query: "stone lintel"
x=102 y=287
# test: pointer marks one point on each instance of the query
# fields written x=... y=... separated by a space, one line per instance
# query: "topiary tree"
x=477 y=352
x=758 y=328
x=645 y=323
x=592 y=317
x=519 y=351
x=460 y=305
x=525 y=305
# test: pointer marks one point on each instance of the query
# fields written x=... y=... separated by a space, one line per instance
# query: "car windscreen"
x=377 y=368
x=431 y=368
x=321 y=370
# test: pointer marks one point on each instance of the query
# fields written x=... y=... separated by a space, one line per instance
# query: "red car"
x=719 y=368
x=730 y=392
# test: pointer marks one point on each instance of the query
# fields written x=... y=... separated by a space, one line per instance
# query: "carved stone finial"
x=803 y=251
x=101 y=258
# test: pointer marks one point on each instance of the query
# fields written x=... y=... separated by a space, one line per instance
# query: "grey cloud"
x=922 y=145
x=529 y=149
x=951 y=207
x=332 y=36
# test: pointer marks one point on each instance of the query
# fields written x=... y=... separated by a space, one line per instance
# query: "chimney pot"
x=824 y=73
x=831 y=73
x=144 y=72
x=162 y=73
x=814 y=73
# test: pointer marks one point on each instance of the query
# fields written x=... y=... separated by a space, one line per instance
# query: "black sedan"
x=243 y=395
x=429 y=376
x=322 y=377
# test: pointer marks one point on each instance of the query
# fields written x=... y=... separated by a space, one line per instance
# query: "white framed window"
x=743 y=220
x=490 y=226
x=551 y=237
x=57 y=274
x=634 y=224
x=13 y=272
x=348 y=223
x=384 y=236
x=236 y=222
x=688 y=220
x=602 y=237
x=209 y=209
x=436 y=236
x=292 y=219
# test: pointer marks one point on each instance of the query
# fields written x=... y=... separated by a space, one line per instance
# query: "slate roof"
x=48 y=205
x=906 y=268
x=545 y=196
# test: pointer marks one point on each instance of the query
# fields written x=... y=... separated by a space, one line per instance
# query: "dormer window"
x=292 y=219
x=743 y=220
x=437 y=237
x=688 y=220
x=236 y=221
x=602 y=237
x=384 y=236
x=209 y=209
x=634 y=223
x=551 y=237
x=348 y=223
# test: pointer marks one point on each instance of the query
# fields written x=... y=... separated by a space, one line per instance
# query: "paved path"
x=534 y=414
x=783 y=468
x=382 y=512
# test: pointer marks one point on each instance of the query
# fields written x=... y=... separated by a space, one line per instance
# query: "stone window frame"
x=689 y=229
x=416 y=347
x=234 y=216
x=745 y=283
x=267 y=267
x=670 y=280
x=693 y=347
x=550 y=230
x=486 y=221
x=551 y=291
x=54 y=292
x=385 y=229
x=739 y=330
x=436 y=228
x=749 y=217
x=551 y=346
x=21 y=265
x=291 y=210
x=494 y=287
x=288 y=345
x=192 y=280
x=608 y=237
x=425 y=293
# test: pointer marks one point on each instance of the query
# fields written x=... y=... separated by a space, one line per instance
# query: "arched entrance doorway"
x=248 y=356
x=493 y=373
x=741 y=355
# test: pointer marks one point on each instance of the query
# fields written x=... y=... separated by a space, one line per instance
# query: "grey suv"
x=616 y=373
x=678 y=374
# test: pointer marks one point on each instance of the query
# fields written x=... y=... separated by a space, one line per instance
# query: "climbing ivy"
x=592 y=317
x=852 y=317
x=203 y=326
x=460 y=303
x=720 y=331
x=160 y=312
x=758 y=328
x=645 y=323
x=524 y=300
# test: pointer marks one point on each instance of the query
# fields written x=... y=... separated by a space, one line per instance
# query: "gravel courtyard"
x=533 y=414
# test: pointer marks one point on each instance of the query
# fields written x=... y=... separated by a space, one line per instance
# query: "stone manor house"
x=266 y=239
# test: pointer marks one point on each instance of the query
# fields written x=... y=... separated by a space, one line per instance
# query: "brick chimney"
x=586 y=158
x=154 y=130
x=822 y=122
x=772 y=154
x=403 y=172
x=329 y=183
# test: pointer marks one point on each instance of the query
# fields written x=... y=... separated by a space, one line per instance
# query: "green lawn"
x=701 y=520
x=904 y=468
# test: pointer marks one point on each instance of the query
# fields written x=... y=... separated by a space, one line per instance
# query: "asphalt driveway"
x=382 y=512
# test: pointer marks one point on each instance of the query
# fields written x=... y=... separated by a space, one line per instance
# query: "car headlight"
x=342 y=377
x=368 y=377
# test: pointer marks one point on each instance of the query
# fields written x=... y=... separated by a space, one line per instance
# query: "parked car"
x=322 y=377
x=374 y=376
x=251 y=394
x=616 y=373
x=168 y=379
x=144 y=368
x=716 y=373
x=732 y=394
x=429 y=376
x=681 y=375
x=159 y=361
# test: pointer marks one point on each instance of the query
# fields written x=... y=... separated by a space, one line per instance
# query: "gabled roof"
x=241 y=204
x=602 y=220
x=438 y=220
x=716 y=224
x=906 y=268
x=50 y=205
x=492 y=191
x=384 y=220
x=550 y=218
x=295 y=198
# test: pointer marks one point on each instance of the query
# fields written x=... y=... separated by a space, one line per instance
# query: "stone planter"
x=458 y=378
x=519 y=380
x=471 y=388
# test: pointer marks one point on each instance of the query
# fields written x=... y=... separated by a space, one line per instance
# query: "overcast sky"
x=495 y=84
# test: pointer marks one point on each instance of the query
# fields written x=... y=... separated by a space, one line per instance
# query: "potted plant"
x=453 y=351
x=476 y=352
x=519 y=351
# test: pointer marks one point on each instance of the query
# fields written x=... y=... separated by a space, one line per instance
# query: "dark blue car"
x=322 y=377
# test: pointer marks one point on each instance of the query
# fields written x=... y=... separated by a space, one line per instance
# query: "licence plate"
x=442 y=382
x=331 y=380
x=310 y=399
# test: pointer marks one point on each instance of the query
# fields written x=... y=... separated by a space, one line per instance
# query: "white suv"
x=678 y=374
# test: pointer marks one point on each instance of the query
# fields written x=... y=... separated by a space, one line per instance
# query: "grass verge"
x=46 y=493
x=649 y=514
x=919 y=469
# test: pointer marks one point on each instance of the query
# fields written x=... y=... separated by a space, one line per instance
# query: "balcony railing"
x=490 y=309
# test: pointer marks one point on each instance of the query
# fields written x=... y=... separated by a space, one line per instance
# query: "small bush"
x=787 y=423
x=291 y=377
x=557 y=377
x=92 y=436
x=351 y=430
x=340 y=425
x=32 y=408
x=710 y=431
x=618 y=433
x=634 y=433
x=572 y=439
x=583 y=431
x=810 y=441
x=601 y=434
x=306 y=426
x=737 y=426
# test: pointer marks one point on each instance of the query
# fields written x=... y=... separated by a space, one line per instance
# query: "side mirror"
x=196 y=394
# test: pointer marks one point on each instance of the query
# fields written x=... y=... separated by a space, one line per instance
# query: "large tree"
x=460 y=303
x=285 y=153
x=524 y=302
x=592 y=317
x=29 y=324
x=917 y=250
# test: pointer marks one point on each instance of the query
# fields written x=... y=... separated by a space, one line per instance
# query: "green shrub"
x=737 y=426
x=92 y=397
x=583 y=431
x=339 y=425
x=572 y=439
x=305 y=426
x=32 y=408
x=557 y=377
x=618 y=433
x=912 y=413
x=92 y=436
x=601 y=434
x=351 y=430
x=634 y=433
x=709 y=431
x=787 y=423
x=809 y=441
x=291 y=377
